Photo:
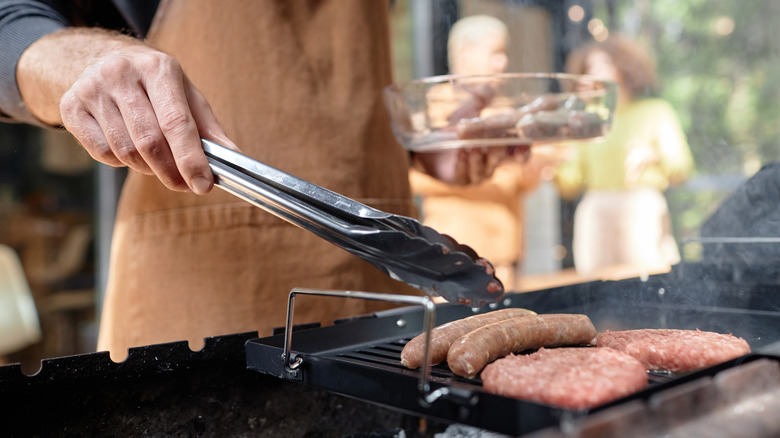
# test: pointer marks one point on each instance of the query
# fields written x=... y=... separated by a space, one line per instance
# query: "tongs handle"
x=286 y=194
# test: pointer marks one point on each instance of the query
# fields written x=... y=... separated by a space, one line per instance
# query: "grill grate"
x=374 y=373
x=388 y=354
x=360 y=358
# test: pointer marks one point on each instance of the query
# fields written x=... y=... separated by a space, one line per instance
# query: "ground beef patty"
x=675 y=350
x=573 y=378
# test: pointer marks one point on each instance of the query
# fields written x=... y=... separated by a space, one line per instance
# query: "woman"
x=622 y=222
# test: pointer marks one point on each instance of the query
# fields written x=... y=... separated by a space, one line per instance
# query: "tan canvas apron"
x=296 y=84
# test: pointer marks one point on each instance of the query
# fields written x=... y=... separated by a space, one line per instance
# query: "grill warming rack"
x=293 y=363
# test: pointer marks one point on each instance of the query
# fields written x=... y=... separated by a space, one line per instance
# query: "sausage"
x=493 y=126
x=444 y=335
x=582 y=124
x=502 y=125
x=542 y=125
x=481 y=95
x=470 y=353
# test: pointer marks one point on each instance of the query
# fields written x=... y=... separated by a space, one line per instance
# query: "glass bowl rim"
x=524 y=75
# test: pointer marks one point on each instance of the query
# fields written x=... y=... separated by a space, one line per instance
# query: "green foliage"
x=719 y=66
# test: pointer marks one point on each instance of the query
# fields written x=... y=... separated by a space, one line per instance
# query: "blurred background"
x=718 y=65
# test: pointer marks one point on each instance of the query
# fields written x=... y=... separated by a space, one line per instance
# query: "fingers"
x=478 y=164
x=521 y=153
x=139 y=110
x=87 y=131
x=143 y=146
x=442 y=165
x=166 y=91
x=493 y=157
x=474 y=163
x=467 y=165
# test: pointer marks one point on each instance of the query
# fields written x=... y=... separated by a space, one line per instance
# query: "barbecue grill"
x=346 y=379
x=239 y=385
x=360 y=358
x=733 y=289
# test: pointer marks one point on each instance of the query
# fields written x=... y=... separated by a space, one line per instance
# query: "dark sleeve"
x=138 y=14
x=22 y=22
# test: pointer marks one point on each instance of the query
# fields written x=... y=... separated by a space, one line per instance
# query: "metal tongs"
x=399 y=246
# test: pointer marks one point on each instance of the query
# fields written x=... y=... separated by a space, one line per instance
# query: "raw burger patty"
x=675 y=350
x=573 y=378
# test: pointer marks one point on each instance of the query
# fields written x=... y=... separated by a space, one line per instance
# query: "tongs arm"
x=287 y=192
x=270 y=197
x=399 y=246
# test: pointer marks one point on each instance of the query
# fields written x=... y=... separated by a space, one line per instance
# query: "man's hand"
x=468 y=165
x=125 y=102
x=473 y=165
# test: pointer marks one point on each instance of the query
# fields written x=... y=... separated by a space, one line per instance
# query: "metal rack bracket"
x=429 y=318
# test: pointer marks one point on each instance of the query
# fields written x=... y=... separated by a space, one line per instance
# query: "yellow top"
x=645 y=148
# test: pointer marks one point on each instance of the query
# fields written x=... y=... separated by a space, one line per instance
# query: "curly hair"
x=636 y=65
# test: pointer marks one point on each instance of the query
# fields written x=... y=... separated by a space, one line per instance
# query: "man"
x=487 y=216
x=296 y=84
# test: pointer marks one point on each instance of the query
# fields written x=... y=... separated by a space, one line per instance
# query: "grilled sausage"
x=444 y=335
x=470 y=353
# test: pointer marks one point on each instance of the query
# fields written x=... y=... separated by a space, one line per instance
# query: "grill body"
x=360 y=358
x=351 y=381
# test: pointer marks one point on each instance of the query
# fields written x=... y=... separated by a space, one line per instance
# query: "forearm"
x=50 y=66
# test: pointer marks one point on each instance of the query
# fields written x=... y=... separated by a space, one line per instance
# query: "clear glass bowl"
x=446 y=112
